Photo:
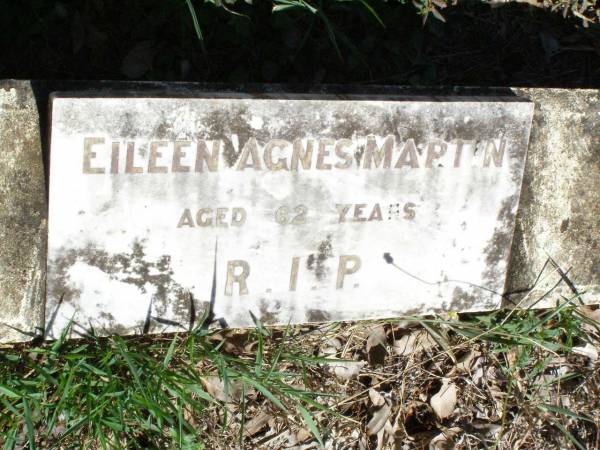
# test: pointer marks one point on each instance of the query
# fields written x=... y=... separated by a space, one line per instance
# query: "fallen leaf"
x=376 y=398
x=444 y=440
x=347 y=370
x=303 y=435
x=444 y=401
x=234 y=343
x=376 y=337
x=565 y=401
x=378 y=420
x=490 y=379
x=257 y=423
x=441 y=338
x=216 y=388
x=490 y=430
x=415 y=342
x=467 y=361
x=593 y=316
x=404 y=325
x=330 y=347
x=421 y=439
x=588 y=350
x=376 y=346
x=477 y=371
x=388 y=430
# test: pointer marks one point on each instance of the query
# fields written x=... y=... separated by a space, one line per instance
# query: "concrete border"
x=558 y=218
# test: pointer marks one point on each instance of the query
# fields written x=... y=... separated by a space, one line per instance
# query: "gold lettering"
x=88 y=155
x=459 y=148
x=495 y=153
x=200 y=220
x=358 y=210
x=342 y=211
x=323 y=152
x=340 y=153
x=114 y=158
x=409 y=156
x=409 y=211
x=186 y=219
x=178 y=155
x=299 y=154
x=212 y=161
x=250 y=150
x=239 y=278
x=294 y=273
x=376 y=213
x=129 y=167
x=238 y=217
x=154 y=156
x=300 y=216
x=281 y=163
x=344 y=269
x=432 y=154
x=378 y=155
x=221 y=213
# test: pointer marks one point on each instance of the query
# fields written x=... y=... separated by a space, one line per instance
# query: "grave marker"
x=294 y=209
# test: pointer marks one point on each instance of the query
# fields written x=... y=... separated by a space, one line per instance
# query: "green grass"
x=200 y=389
x=587 y=11
x=141 y=392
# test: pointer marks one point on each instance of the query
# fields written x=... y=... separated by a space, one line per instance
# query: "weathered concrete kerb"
x=558 y=217
x=559 y=213
x=22 y=214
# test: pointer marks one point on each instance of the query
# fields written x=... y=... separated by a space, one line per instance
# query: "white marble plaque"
x=290 y=209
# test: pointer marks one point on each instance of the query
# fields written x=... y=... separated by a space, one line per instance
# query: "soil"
x=478 y=45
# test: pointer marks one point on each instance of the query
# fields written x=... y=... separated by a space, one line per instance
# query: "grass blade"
x=196 y=389
x=268 y=394
x=8 y=392
x=11 y=439
x=439 y=339
x=369 y=8
x=29 y=424
x=308 y=419
x=569 y=436
x=169 y=354
x=565 y=412
x=196 y=25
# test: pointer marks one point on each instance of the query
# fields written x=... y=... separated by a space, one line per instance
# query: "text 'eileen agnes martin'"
x=103 y=155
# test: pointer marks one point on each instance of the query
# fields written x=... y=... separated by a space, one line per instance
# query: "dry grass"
x=402 y=388
x=520 y=379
